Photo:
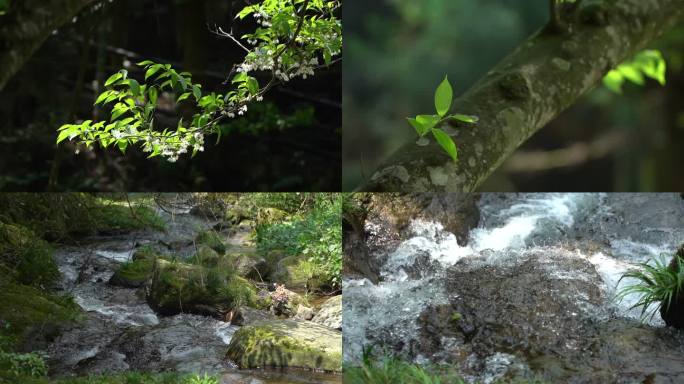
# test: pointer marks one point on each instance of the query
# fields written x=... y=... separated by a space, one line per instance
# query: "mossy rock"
x=206 y=256
x=212 y=240
x=146 y=252
x=235 y=215
x=188 y=288
x=249 y=264
x=26 y=257
x=330 y=314
x=287 y=344
x=293 y=272
x=133 y=274
x=23 y=308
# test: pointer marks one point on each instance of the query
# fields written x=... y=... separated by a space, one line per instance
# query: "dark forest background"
x=398 y=51
x=291 y=141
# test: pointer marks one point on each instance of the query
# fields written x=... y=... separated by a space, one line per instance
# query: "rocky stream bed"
x=513 y=285
x=120 y=331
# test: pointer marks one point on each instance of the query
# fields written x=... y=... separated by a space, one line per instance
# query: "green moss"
x=284 y=344
x=212 y=240
x=206 y=256
x=239 y=291
x=145 y=252
x=114 y=217
x=134 y=273
x=23 y=307
x=26 y=257
x=180 y=287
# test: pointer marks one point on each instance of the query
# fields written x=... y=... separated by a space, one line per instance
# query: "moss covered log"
x=528 y=89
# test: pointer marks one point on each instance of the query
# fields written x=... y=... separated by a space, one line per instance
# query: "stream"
x=533 y=290
x=120 y=332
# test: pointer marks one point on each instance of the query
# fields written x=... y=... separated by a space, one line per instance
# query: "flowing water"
x=537 y=278
x=120 y=332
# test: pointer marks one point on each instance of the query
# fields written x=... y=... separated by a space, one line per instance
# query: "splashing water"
x=386 y=313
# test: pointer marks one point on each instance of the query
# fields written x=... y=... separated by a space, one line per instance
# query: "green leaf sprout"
x=424 y=124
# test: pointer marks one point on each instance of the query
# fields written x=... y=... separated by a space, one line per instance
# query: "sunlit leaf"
x=446 y=142
x=443 y=97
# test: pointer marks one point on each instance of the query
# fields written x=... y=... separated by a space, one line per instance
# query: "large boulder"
x=287 y=344
x=330 y=314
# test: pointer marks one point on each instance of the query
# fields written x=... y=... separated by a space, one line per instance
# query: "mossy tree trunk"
x=545 y=75
x=27 y=24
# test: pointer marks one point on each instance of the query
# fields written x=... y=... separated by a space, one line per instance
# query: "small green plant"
x=649 y=63
x=425 y=124
x=204 y=379
x=23 y=364
x=656 y=283
x=390 y=369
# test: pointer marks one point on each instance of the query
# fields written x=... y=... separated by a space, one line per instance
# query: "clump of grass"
x=658 y=282
x=390 y=369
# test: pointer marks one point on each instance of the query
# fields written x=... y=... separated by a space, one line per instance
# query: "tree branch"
x=25 y=27
x=545 y=75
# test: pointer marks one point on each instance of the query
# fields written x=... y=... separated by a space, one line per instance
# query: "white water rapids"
x=623 y=229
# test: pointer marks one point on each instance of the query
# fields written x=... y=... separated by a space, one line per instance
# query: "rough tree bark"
x=25 y=27
x=545 y=75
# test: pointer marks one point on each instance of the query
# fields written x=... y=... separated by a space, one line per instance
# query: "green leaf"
x=428 y=121
x=197 y=92
x=119 y=110
x=420 y=129
x=152 y=95
x=145 y=63
x=240 y=78
x=631 y=73
x=63 y=135
x=102 y=97
x=135 y=87
x=183 y=97
x=465 y=118
x=122 y=144
x=152 y=70
x=252 y=85
x=113 y=79
x=443 y=97
x=613 y=81
x=446 y=142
